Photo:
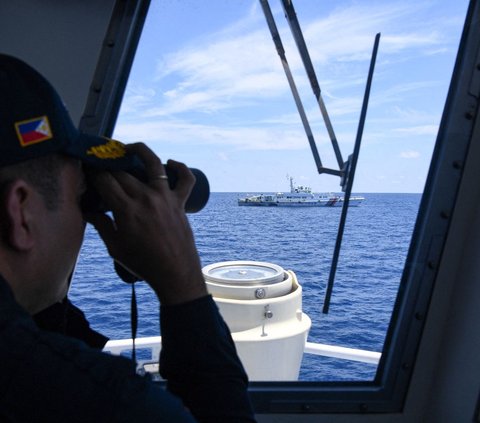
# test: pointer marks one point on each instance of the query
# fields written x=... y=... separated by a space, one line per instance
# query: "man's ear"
x=20 y=204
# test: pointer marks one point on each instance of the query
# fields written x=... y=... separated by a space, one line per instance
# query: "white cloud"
x=250 y=138
x=223 y=156
x=413 y=115
x=215 y=73
x=354 y=28
x=410 y=154
x=418 y=130
x=137 y=98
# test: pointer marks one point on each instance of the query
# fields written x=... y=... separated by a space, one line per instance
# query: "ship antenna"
x=349 y=178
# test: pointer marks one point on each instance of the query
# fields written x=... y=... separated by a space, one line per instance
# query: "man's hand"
x=150 y=234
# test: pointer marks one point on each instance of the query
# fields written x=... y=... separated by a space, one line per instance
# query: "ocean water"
x=376 y=240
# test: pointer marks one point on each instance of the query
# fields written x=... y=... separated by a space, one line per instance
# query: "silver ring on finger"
x=159 y=177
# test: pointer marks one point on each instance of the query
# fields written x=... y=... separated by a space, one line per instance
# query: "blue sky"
x=207 y=88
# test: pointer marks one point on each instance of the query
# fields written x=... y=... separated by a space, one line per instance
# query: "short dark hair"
x=42 y=172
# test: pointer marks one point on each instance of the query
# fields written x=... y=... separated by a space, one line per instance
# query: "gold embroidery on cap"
x=111 y=150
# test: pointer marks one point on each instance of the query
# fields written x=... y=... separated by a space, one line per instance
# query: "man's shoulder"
x=46 y=374
x=27 y=345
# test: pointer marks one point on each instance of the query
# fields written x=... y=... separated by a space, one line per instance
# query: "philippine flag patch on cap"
x=33 y=131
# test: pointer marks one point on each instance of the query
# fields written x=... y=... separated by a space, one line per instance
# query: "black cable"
x=134 y=323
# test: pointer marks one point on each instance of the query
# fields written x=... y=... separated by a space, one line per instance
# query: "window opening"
x=213 y=95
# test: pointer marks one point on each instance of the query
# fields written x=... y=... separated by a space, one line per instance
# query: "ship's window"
x=208 y=88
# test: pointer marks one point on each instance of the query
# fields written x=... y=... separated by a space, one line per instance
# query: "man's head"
x=41 y=182
x=41 y=227
x=34 y=122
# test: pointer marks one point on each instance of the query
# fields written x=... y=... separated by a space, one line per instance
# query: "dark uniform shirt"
x=47 y=376
x=67 y=319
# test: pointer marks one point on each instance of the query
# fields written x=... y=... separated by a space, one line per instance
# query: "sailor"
x=49 y=376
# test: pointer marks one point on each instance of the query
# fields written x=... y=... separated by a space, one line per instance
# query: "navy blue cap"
x=35 y=122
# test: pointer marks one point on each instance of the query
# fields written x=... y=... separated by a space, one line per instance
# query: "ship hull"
x=327 y=202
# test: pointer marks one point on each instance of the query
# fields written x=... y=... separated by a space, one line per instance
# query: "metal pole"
x=312 y=77
x=349 y=178
x=281 y=52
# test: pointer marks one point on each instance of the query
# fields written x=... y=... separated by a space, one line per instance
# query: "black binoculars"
x=92 y=201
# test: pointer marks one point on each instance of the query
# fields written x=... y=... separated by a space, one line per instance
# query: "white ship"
x=299 y=196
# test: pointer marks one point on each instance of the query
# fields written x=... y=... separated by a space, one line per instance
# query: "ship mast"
x=292 y=188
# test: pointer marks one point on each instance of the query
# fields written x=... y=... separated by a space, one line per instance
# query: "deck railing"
x=154 y=345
